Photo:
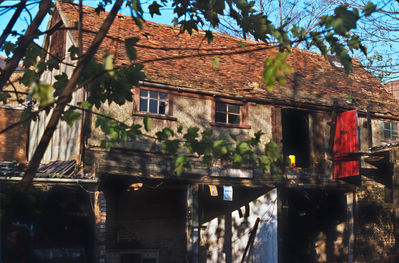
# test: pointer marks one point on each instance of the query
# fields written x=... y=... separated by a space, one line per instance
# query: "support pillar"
x=100 y=214
x=350 y=203
x=395 y=189
x=193 y=228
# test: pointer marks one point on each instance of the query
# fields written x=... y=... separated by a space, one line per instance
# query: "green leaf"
x=171 y=147
x=59 y=85
x=265 y=163
x=130 y=44
x=154 y=9
x=191 y=134
x=272 y=150
x=237 y=160
x=164 y=134
x=181 y=164
x=180 y=129
x=4 y=96
x=8 y=47
x=369 y=8
x=73 y=52
x=108 y=61
x=134 y=131
x=106 y=144
x=243 y=148
x=147 y=123
x=70 y=116
x=275 y=68
x=42 y=93
x=209 y=36
x=215 y=62
x=86 y=105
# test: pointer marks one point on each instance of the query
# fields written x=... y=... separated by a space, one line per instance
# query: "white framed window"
x=154 y=102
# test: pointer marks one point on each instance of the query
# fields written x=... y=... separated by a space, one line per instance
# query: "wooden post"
x=228 y=234
x=350 y=202
x=193 y=228
x=100 y=214
x=369 y=130
x=395 y=188
x=277 y=129
x=318 y=145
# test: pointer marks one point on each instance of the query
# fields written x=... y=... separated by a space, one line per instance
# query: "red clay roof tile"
x=185 y=61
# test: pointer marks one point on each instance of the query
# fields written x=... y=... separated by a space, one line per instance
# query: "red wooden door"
x=345 y=142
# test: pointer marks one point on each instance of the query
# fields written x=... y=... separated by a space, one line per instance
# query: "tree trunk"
x=30 y=34
x=12 y=21
x=65 y=97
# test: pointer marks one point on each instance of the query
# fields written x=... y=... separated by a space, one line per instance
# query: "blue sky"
x=23 y=21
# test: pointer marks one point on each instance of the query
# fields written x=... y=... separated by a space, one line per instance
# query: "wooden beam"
x=192 y=224
x=333 y=126
x=369 y=130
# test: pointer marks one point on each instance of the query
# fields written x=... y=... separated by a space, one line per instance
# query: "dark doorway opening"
x=296 y=139
x=313 y=226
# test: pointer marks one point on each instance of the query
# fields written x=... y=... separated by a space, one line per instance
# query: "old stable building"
x=336 y=204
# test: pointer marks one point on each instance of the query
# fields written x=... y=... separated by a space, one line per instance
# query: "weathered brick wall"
x=374 y=229
x=13 y=142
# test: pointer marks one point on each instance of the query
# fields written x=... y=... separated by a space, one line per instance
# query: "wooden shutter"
x=345 y=142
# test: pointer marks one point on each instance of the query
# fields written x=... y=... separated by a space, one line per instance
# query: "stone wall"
x=374 y=225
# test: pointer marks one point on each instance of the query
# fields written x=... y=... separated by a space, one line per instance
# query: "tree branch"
x=20 y=51
x=65 y=97
x=12 y=21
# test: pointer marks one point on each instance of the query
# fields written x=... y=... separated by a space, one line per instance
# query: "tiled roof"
x=185 y=61
x=53 y=170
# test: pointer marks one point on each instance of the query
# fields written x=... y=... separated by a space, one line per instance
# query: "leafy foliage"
x=275 y=69
x=4 y=96
x=106 y=83
x=70 y=116
x=209 y=148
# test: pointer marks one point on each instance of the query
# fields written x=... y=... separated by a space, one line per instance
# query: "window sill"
x=229 y=125
x=155 y=116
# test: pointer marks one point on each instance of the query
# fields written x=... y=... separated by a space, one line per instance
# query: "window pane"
x=234 y=119
x=387 y=125
x=154 y=94
x=394 y=127
x=143 y=93
x=163 y=96
x=387 y=135
x=220 y=107
x=234 y=108
x=220 y=117
x=143 y=104
x=162 y=107
x=153 y=106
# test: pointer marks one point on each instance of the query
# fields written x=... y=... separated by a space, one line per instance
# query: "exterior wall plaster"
x=189 y=111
